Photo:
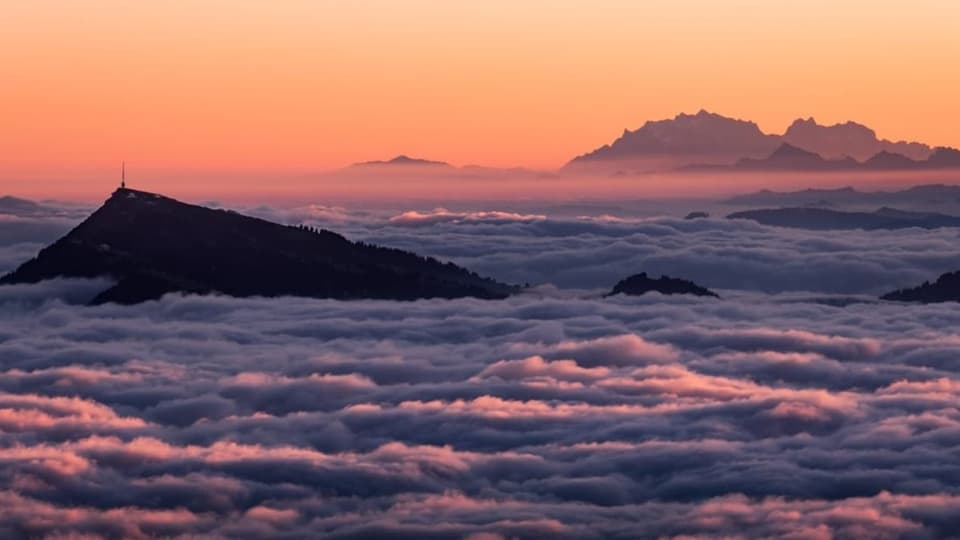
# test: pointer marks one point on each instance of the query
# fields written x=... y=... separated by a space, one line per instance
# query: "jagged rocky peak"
x=700 y=137
x=848 y=139
x=150 y=245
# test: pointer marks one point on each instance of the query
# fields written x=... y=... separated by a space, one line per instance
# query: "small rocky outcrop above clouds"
x=639 y=284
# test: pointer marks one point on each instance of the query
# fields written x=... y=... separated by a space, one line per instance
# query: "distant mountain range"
x=152 y=245
x=826 y=219
x=708 y=141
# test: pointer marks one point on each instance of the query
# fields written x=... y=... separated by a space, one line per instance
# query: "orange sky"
x=298 y=85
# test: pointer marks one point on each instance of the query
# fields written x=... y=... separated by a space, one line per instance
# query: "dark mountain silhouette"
x=689 y=138
x=638 y=284
x=826 y=219
x=945 y=289
x=928 y=194
x=152 y=245
x=791 y=158
x=849 y=139
x=403 y=161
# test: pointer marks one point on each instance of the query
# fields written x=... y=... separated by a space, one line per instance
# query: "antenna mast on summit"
x=123 y=174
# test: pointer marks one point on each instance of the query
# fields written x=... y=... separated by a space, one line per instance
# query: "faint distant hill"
x=707 y=141
x=791 y=158
x=849 y=139
x=16 y=206
x=639 y=284
x=945 y=289
x=923 y=195
x=403 y=161
x=703 y=137
x=890 y=161
x=827 y=219
x=152 y=245
x=404 y=166
x=25 y=208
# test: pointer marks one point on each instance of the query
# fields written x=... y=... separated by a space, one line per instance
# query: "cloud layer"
x=596 y=251
x=771 y=412
x=545 y=415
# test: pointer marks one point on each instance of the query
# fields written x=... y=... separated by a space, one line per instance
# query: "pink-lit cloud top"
x=562 y=417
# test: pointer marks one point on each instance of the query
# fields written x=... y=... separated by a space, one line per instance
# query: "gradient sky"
x=303 y=85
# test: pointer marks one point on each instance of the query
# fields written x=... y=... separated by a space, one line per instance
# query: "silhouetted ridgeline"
x=926 y=194
x=638 y=284
x=945 y=289
x=825 y=219
x=152 y=245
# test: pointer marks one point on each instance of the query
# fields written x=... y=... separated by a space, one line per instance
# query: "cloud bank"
x=539 y=416
x=552 y=414
x=596 y=251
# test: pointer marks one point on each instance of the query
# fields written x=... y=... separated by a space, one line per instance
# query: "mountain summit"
x=152 y=245
x=709 y=137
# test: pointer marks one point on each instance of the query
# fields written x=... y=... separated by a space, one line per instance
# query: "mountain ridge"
x=945 y=289
x=151 y=245
x=707 y=140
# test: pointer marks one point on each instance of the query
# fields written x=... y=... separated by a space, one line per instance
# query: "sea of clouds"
x=772 y=411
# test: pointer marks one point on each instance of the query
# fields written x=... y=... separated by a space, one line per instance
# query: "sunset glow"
x=301 y=86
x=479 y=269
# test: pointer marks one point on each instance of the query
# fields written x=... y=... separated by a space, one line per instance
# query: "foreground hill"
x=826 y=219
x=639 y=284
x=152 y=245
x=945 y=289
